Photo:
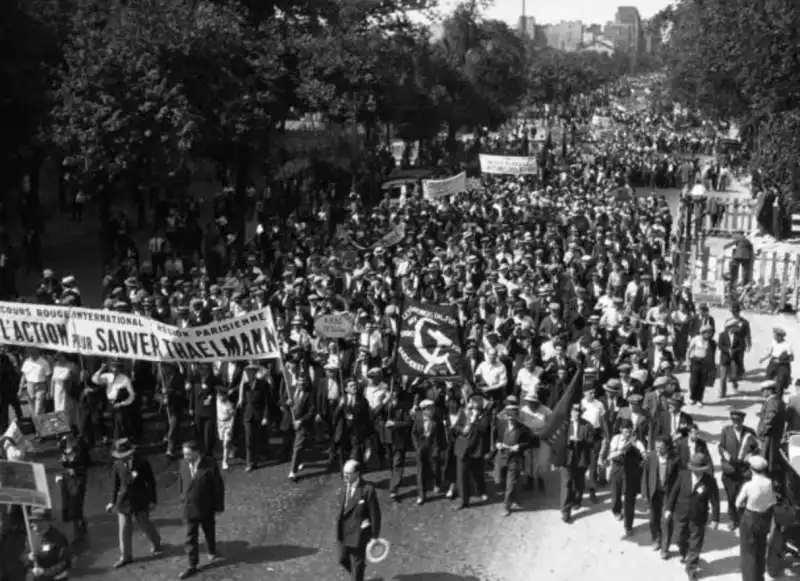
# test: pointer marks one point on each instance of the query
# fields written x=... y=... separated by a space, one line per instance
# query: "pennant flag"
x=557 y=421
x=430 y=342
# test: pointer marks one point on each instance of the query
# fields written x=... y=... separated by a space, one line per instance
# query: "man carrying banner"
x=50 y=559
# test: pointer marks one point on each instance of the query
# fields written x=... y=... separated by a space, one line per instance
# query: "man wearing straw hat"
x=358 y=521
x=133 y=497
x=689 y=502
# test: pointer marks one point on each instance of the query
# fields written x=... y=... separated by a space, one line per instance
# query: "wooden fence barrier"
x=774 y=281
x=726 y=216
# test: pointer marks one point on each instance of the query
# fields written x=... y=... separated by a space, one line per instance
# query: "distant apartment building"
x=526 y=27
x=620 y=35
x=565 y=35
x=630 y=15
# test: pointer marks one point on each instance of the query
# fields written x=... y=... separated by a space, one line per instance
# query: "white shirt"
x=36 y=370
x=528 y=381
x=493 y=374
x=782 y=348
x=376 y=395
x=757 y=494
x=113 y=384
x=593 y=412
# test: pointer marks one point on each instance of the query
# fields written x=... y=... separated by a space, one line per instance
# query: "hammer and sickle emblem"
x=439 y=355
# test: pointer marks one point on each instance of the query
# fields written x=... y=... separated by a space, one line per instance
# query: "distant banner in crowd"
x=508 y=164
x=24 y=483
x=435 y=189
x=395 y=236
x=429 y=343
x=95 y=332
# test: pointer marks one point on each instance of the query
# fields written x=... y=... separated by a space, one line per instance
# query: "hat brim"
x=698 y=467
x=120 y=455
x=377 y=550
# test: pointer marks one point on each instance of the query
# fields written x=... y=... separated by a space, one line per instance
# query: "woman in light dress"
x=534 y=415
x=65 y=388
x=226 y=413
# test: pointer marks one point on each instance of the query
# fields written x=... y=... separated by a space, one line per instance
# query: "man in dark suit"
x=202 y=498
x=771 y=424
x=203 y=403
x=661 y=470
x=253 y=400
x=351 y=423
x=358 y=522
x=394 y=429
x=743 y=330
x=511 y=440
x=691 y=444
x=673 y=421
x=736 y=443
x=428 y=436
x=133 y=497
x=695 y=494
x=471 y=431
x=301 y=414
x=731 y=350
x=704 y=319
x=572 y=454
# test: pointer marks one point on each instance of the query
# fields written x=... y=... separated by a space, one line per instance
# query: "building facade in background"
x=526 y=27
x=566 y=35
x=624 y=34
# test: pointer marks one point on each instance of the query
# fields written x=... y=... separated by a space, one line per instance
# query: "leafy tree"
x=739 y=60
x=28 y=52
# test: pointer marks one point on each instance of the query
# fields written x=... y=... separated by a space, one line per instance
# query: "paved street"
x=275 y=529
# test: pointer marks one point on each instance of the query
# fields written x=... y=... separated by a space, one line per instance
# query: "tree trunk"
x=243 y=163
x=451 y=138
x=63 y=194
x=106 y=236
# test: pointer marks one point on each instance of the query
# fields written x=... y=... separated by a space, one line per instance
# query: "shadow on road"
x=434 y=577
x=243 y=552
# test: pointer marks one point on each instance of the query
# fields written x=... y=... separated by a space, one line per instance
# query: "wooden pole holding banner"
x=29 y=532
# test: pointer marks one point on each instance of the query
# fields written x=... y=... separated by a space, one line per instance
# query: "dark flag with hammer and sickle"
x=430 y=341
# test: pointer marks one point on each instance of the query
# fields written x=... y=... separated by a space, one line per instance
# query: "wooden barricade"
x=775 y=280
x=728 y=216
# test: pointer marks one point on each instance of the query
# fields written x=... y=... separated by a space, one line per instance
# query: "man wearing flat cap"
x=510 y=441
x=771 y=424
x=737 y=442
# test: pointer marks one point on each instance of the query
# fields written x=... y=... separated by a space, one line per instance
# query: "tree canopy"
x=141 y=90
x=739 y=60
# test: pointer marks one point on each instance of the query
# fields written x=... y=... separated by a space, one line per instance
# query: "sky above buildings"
x=549 y=11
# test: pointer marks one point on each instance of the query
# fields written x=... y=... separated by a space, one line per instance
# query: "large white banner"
x=508 y=164
x=435 y=189
x=95 y=332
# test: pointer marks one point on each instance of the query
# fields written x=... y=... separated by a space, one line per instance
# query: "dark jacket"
x=770 y=429
x=730 y=443
x=435 y=442
x=521 y=436
x=575 y=454
x=254 y=400
x=470 y=440
x=692 y=503
x=134 y=488
x=652 y=479
x=203 y=495
x=359 y=519
x=730 y=350
x=684 y=451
